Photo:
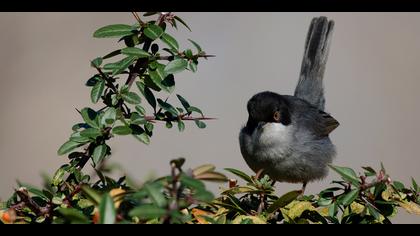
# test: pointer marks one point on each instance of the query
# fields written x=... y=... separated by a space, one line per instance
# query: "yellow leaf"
x=387 y=194
x=254 y=219
x=410 y=207
x=198 y=213
x=184 y=211
x=357 y=207
x=296 y=208
x=323 y=211
x=117 y=194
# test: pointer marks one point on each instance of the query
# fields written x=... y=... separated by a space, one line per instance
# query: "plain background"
x=372 y=82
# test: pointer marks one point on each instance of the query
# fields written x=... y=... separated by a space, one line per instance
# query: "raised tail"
x=310 y=86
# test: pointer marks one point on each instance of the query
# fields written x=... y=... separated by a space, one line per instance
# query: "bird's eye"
x=276 y=116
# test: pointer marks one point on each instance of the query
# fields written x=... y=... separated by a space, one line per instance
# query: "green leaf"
x=203 y=195
x=194 y=109
x=148 y=94
x=84 y=203
x=240 y=174
x=114 y=99
x=200 y=124
x=123 y=64
x=283 y=200
x=113 y=31
x=131 y=98
x=415 y=186
x=151 y=13
x=369 y=170
x=136 y=52
x=68 y=147
x=236 y=203
x=398 y=185
x=90 y=133
x=155 y=195
x=191 y=182
x=73 y=215
x=89 y=116
x=137 y=119
x=347 y=174
x=183 y=101
x=157 y=76
x=140 y=110
x=188 y=53
x=350 y=197
x=332 y=209
x=77 y=137
x=176 y=66
x=170 y=41
x=96 y=62
x=97 y=91
x=58 y=175
x=167 y=107
x=112 y=66
x=148 y=211
x=153 y=31
x=193 y=66
x=144 y=138
x=91 y=194
x=373 y=212
x=149 y=126
x=93 y=80
x=181 y=125
x=324 y=202
x=196 y=45
x=109 y=116
x=168 y=83
x=182 y=22
x=98 y=154
x=112 y=54
x=121 y=130
x=107 y=210
x=78 y=126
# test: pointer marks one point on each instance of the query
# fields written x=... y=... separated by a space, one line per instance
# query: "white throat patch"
x=272 y=134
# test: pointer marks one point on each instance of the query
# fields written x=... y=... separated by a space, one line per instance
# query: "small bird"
x=287 y=137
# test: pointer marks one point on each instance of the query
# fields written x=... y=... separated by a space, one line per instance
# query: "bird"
x=287 y=136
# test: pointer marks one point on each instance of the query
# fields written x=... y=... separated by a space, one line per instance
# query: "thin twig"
x=24 y=197
x=153 y=118
x=182 y=56
x=137 y=18
x=106 y=78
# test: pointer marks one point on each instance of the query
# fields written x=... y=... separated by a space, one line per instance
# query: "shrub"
x=71 y=196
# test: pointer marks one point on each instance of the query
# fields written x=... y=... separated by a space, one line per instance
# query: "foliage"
x=149 y=59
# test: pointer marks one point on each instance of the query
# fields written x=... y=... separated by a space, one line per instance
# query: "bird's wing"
x=327 y=124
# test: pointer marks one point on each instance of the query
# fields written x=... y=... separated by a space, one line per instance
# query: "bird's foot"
x=302 y=191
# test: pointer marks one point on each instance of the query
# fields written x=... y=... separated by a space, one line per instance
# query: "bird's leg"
x=258 y=174
x=303 y=188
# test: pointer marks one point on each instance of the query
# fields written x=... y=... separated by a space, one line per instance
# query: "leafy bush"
x=71 y=196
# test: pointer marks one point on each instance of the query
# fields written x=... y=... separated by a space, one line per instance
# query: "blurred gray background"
x=372 y=82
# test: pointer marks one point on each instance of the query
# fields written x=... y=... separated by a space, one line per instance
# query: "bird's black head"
x=268 y=107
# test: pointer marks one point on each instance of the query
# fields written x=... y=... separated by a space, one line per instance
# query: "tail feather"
x=310 y=86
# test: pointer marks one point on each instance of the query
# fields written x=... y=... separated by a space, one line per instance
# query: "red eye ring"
x=276 y=116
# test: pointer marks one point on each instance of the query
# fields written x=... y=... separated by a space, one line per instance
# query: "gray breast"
x=290 y=154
